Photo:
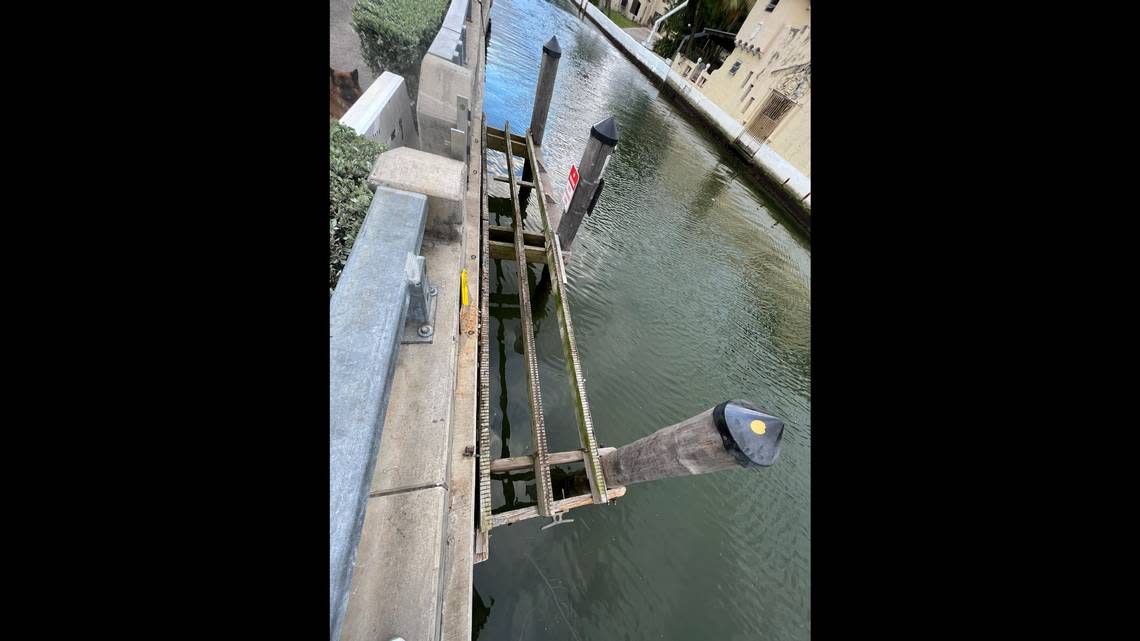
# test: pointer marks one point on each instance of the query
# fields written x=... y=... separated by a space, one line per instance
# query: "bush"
x=350 y=160
x=396 y=34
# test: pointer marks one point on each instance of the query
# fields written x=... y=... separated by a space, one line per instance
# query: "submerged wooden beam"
x=514 y=516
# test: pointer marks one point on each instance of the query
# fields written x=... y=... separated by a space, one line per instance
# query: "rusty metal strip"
x=573 y=363
x=485 y=522
x=537 y=423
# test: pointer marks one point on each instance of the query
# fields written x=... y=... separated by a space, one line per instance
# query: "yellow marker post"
x=463 y=288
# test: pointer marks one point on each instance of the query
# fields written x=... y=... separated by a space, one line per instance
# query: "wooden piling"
x=603 y=139
x=731 y=435
x=543 y=92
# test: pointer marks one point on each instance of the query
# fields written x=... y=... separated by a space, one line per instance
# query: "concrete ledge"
x=399 y=593
x=441 y=83
x=440 y=179
x=366 y=316
x=384 y=113
x=413 y=451
x=650 y=63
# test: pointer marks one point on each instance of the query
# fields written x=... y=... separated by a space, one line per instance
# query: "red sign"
x=571 y=185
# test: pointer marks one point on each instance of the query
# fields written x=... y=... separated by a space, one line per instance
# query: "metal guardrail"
x=383 y=298
x=451 y=41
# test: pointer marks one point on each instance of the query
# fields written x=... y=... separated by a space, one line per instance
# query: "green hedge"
x=350 y=160
x=396 y=34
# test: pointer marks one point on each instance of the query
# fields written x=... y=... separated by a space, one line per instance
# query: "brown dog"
x=344 y=89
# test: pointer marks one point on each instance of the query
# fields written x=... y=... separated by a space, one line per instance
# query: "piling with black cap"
x=543 y=92
x=734 y=434
x=603 y=139
x=547 y=71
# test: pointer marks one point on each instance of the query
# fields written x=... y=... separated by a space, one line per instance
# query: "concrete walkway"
x=344 y=44
x=639 y=33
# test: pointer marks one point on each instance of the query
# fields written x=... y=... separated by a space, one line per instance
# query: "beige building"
x=765 y=83
x=643 y=12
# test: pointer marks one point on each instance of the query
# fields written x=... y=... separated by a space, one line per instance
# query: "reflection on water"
x=686 y=290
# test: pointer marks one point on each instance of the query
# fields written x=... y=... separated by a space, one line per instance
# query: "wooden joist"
x=502 y=250
x=497 y=141
x=523 y=183
x=507 y=235
x=564 y=505
x=556 y=458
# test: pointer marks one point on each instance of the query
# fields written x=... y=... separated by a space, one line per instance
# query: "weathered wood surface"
x=564 y=505
x=570 y=349
x=506 y=234
x=537 y=420
x=497 y=142
x=693 y=446
x=556 y=458
x=505 y=179
x=501 y=250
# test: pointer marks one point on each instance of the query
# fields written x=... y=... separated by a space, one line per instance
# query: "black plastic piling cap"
x=606 y=131
x=750 y=433
x=551 y=48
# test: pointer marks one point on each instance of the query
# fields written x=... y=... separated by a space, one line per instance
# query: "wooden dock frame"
x=505 y=243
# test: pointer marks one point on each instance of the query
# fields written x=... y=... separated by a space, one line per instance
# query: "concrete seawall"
x=776 y=176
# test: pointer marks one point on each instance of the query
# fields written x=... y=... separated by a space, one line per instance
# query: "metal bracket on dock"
x=556 y=520
x=419 y=324
x=460 y=133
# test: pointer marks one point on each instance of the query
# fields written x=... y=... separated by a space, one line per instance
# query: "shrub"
x=396 y=34
x=350 y=160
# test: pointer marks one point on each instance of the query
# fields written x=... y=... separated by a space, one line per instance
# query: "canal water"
x=687 y=288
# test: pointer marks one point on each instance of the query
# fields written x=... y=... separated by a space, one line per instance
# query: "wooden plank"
x=524 y=183
x=514 y=516
x=501 y=250
x=506 y=234
x=557 y=458
x=495 y=132
x=498 y=143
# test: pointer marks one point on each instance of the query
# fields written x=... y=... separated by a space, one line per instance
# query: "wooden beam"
x=497 y=142
x=524 y=183
x=514 y=516
x=556 y=458
x=498 y=133
x=501 y=250
x=507 y=235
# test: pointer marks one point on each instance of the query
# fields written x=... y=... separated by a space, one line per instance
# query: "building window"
x=746 y=93
x=772 y=5
x=747 y=79
x=735 y=67
x=688 y=70
x=750 y=101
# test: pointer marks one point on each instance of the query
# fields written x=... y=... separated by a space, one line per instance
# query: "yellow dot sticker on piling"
x=759 y=427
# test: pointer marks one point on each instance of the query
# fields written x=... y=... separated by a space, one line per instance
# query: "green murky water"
x=686 y=289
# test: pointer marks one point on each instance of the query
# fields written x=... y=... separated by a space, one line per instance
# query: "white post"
x=657 y=25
